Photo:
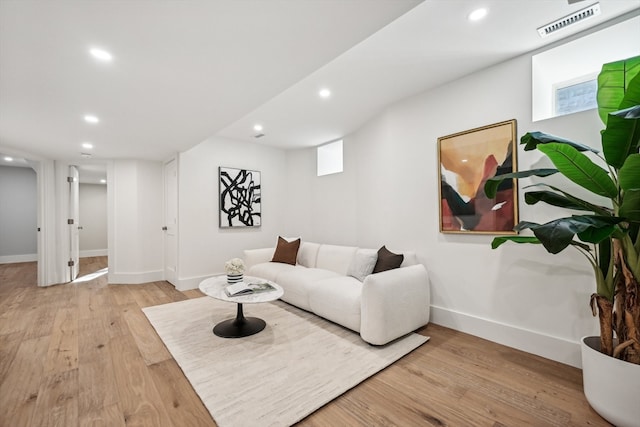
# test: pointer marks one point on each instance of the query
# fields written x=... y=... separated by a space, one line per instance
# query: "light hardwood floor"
x=84 y=354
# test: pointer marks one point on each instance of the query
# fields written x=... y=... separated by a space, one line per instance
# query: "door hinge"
x=70 y=221
x=70 y=179
x=71 y=263
x=164 y=228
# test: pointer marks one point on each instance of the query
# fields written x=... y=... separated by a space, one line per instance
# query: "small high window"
x=330 y=158
x=571 y=97
x=563 y=77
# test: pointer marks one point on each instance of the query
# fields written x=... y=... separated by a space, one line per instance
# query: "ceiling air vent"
x=574 y=18
x=259 y=135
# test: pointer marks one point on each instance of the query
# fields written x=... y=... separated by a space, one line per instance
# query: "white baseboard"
x=10 y=259
x=192 y=282
x=94 y=252
x=550 y=347
x=135 y=278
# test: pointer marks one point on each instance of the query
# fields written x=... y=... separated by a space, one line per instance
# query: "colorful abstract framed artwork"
x=240 y=198
x=466 y=160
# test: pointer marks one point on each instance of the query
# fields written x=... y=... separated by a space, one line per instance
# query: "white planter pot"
x=234 y=278
x=611 y=386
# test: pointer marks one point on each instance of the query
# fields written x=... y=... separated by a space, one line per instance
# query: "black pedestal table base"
x=240 y=326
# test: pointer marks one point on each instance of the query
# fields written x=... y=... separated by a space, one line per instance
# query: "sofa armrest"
x=257 y=256
x=394 y=303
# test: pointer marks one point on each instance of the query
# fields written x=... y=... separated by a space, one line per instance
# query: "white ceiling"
x=182 y=70
x=187 y=70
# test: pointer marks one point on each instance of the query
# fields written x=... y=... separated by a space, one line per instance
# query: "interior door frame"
x=74 y=222
x=170 y=226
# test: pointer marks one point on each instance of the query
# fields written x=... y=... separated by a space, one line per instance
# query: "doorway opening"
x=18 y=211
x=92 y=226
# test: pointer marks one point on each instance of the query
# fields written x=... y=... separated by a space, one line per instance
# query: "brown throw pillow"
x=286 y=252
x=387 y=260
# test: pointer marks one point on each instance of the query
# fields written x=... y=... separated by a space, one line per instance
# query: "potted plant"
x=606 y=235
x=235 y=270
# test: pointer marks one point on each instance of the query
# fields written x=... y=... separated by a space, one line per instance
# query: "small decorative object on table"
x=235 y=270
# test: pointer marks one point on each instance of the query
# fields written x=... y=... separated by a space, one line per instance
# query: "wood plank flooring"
x=84 y=354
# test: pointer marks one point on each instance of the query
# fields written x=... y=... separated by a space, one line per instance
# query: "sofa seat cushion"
x=338 y=299
x=297 y=283
x=270 y=270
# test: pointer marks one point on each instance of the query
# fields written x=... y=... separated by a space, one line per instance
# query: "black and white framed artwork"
x=240 y=197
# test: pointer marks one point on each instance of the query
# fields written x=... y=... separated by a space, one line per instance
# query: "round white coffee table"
x=240 y=326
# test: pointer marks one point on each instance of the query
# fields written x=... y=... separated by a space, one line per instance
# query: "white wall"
x=93 y=220
x=135 y=212
x=203 y=246
x=18 y=214
x=322 y=208
x=517 y=295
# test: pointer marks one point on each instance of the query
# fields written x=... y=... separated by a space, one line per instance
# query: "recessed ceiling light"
x=478 y=14
x=324 y=93
x=85 y=155
x=87 y=145
x=8 y=159
x=257 y=128
x=101 y=55
x=103 y=181
x=91 y=119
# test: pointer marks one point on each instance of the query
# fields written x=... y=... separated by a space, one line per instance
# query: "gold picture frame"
x=465 y=161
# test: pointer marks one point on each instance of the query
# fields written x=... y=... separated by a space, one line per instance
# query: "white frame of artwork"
x=239 y=198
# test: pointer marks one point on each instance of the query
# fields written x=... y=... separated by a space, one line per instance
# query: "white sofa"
x=385 y=306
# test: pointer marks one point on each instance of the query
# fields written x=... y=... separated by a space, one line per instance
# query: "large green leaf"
x=531 y=140
x=596 y=235
x=598 y=220
x=492 y=184
x=585 y=206
x=622 y=135
x=604 y=256
x=631 y=95
x=629 y=174
x=558 y=234
x=632 y=112
x=554 y=199
x=580 y=169
x=613 y=81
x=516 y=239
x=600 y=228
x=630 y=207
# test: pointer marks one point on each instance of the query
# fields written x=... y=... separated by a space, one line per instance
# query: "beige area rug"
x=297 y=364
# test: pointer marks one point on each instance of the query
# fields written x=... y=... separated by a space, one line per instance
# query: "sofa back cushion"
x=307 y=254
x=335 y=258
x=387 y=260
x=410 y=258
x=362 y=263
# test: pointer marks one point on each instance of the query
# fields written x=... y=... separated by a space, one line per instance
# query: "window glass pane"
x=576 y=97
x=330 y=158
